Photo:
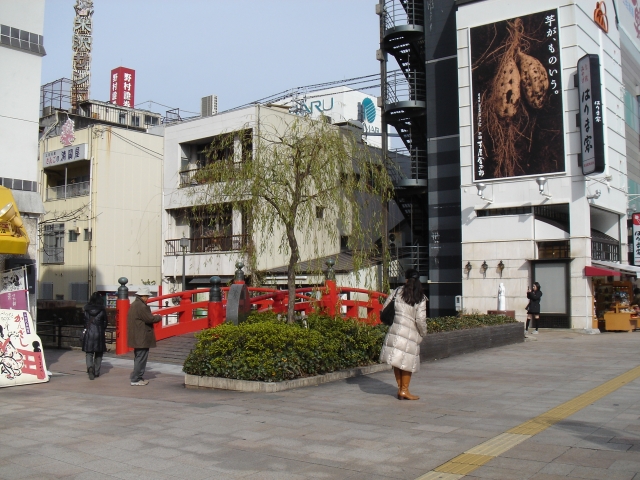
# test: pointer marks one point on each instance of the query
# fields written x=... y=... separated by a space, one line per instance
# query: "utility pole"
x=381 y=55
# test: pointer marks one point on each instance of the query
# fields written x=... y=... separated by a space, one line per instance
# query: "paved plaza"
x=353 y=429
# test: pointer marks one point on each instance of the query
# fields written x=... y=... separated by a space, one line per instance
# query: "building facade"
x=21 y=52
x=102 y=192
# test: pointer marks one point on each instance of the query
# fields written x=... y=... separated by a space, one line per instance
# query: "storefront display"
x=613 y=305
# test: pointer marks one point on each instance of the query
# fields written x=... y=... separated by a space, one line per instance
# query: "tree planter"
x=433 y=347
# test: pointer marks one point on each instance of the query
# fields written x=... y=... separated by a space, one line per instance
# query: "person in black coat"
x=93 y=342
x=533 y=308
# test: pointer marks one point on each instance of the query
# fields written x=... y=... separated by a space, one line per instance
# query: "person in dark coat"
x=140 y=334
x=533 y=308
x=93 y=342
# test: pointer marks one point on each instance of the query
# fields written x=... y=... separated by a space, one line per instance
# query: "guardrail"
x=68 y=191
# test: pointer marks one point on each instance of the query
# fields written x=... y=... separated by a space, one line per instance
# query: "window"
x=495 y=212
x=73 y=236
x=630 y=110
x=46 y=291
x=554 y=249
x=150 y=120
x=53 y=239
x=135 y=121
x=319 y=212
x=87 y=235
x=344 y=243
x=122 y=118
x=80 y=292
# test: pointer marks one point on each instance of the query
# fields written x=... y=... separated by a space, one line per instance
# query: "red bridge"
x=326 y=299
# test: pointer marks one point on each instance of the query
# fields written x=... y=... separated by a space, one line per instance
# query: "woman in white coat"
x=401 y=347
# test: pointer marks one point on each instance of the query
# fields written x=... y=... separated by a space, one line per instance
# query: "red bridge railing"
x=327 y=299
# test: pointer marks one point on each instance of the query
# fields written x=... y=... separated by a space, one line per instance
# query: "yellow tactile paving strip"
x=480 y=454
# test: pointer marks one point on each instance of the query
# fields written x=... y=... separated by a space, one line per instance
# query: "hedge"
x=266 y=348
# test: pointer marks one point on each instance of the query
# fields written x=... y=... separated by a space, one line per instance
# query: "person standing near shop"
x=140 y=334
x=93 y=340
x=533 y=308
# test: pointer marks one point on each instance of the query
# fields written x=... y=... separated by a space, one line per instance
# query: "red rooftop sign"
x=123 y=85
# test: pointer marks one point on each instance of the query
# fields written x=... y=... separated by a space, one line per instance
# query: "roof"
x=344 y=264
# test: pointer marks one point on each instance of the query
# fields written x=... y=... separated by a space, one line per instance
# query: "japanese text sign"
x=591 y=115
x=69 y=154
x=636 y=238
x=122 y=86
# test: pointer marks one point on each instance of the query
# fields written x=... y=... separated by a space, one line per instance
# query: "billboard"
x=517 y=97
x=636 y=238
x=123 y=86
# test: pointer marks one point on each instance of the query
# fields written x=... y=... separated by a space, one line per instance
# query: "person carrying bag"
x=401 y=346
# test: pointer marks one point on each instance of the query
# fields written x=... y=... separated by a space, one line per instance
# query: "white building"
x=216 y=244
x=528 y=211
x=21 y=52
x=103 y=196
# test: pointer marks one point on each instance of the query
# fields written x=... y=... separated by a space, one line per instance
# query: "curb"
x=195 y=381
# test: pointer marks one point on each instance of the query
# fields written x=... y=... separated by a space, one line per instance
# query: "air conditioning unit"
x=46 y=111
x=209 y=106
x=77 y=230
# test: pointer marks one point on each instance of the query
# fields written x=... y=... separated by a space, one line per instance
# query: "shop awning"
x=627 y=269
x=13 y=237
x=600 y=272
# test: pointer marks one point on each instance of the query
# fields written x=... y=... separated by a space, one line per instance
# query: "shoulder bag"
x=387 y=315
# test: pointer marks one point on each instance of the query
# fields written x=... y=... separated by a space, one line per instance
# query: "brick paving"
x=353 y=429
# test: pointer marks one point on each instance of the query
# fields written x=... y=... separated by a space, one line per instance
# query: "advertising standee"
x=636 y=238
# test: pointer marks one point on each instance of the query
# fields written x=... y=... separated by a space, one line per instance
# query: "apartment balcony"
x=70 y=190
x=228 y=243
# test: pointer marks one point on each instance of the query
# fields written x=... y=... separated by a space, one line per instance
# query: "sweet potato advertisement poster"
x=517 y=97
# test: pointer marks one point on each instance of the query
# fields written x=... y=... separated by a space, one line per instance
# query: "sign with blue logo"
x=369 y=110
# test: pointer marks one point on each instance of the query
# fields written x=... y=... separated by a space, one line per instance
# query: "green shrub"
x=448 y=324
x=268 y=349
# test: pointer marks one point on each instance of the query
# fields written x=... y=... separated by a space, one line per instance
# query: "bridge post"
x=122 y=310
x=215 y=312
x=330 y=297
x=239 y=276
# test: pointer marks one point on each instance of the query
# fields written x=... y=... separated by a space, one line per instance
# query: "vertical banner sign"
x=591 y=124
x=517 y=97
x=14 y=290
x=82 y=43
x=636 y=238
x=123 y=86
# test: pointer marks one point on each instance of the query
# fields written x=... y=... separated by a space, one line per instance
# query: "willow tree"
x=302 y=184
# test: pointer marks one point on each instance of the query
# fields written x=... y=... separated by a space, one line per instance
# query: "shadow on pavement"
x=373 y=386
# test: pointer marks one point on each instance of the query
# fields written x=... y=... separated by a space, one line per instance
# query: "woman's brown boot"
x=404 y=389
x=397 y=372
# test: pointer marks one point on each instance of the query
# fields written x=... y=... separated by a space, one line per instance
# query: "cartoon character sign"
x=21 y=357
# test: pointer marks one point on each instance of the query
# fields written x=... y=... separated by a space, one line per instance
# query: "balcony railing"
x=188 y=178
x=403 y=87
x=52 y=255
x=397 y=14
x=207 y=244
x=68 y=191
x=608 y=252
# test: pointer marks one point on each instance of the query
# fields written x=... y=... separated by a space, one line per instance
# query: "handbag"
x=389 y=312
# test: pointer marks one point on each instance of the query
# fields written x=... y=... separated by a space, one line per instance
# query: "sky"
x=240 y=50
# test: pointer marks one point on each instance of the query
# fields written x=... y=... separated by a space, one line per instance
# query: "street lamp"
x=184 y=243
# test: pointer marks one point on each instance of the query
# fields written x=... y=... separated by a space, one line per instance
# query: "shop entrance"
x=555 y=306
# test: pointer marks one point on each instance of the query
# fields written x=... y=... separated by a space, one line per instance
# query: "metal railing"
x=403 y=12
x=404 y=258
x=403 y=87
x=68 y=191
x=188 y=178
x=52 y=255
x=226 y=243
x=60 y=334
x=408 y=166
x=608 y=252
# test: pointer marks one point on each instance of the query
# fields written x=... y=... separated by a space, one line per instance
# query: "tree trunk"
x=291 y=272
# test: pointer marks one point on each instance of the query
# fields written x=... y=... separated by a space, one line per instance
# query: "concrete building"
x=214 y=245
x=102 y=193
x=21 y=52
